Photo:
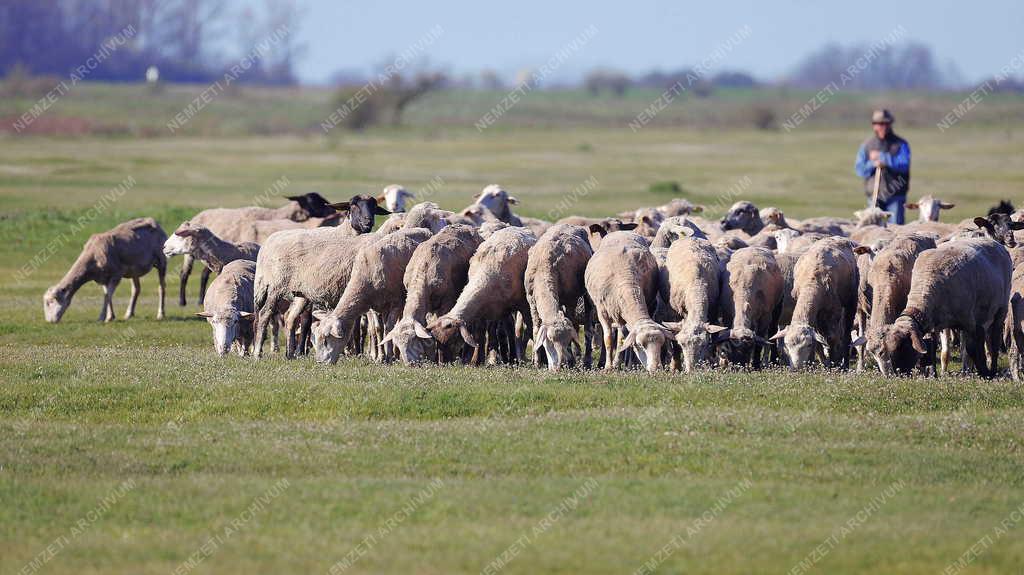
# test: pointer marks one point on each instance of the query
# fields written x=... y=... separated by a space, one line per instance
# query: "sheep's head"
x=1000 y=228
x=444 y=329
x=560 y=341
x=361 y=212
x=55 y=302
x=427 y=215
x=773 y=216
x=929 y=208
x=696 y=341
x=412 y=340
x=739 y=346
x=227 y=326
x=802 y=341
x=782 y=239
x=647 y=339
x=872 y=217
x=896 y=347
x=497 y=200
x=743 y=216
x=313 y=205
x=680 y=207
x=177 y=245
x=393 y=197
x=330 y=335
x=648 y=221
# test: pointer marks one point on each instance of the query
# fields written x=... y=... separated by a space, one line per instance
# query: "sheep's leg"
x=186 y=269
x=134 y=299
x=161 y=274
x=263 y=317
x=975 y=344
x=538 y=350
x=995 y=341
x=290 y=320
x=107 y=313
x=588 y=333
x=204 y=279
x=305 y=325
x=620 y=337
x=945 y=337
x=609 y=349
x=522 y=327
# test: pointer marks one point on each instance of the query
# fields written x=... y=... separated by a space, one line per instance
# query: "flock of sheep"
x=667 y=287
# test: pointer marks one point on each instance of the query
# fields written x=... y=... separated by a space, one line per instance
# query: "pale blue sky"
x=979 y=36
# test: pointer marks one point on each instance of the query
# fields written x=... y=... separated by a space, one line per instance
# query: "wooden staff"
x=878 y=180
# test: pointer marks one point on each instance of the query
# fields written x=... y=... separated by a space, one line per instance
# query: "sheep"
x=679 y=207
x=426 y=215
x=938 y=230
x=1013 y=330
x=828 y=226
x=928 y=208
x=129 y=250
x=308 y=267
x=888 y=284
x=750 y=302
x=784 y=239
x=622 y=280
x=787 y=265
x=872 y=217
x=376 y=284
x=865 y=259
x=361 y=212
x=743 y=216
x=394 y=222
x=554 y=283
x=1000 y=227
x=497 y=200
x=825 y=289
x=603 y=227
x=962 y=284
x=672 y=229
x=690 y=287
x=223 y=220
x=205 y=246
x=871 y=226
x=774 y=220
x=474 y=215
x=434 y=277
x=228 y=307
x=494 y=290
x=488 y=228
x=648 y=220
x=393 y=197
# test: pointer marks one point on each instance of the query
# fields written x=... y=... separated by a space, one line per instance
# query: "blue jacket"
x=894 y=152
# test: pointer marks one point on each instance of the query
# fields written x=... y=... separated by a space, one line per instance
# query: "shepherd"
x=883 y=160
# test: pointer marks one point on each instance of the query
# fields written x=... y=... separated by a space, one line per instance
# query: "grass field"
x=132 y=448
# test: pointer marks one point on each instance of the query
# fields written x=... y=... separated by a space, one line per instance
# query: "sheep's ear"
x=946 y=205
x=381 y=198
x=467 y=337
x=341 y=206
x=820 y=338
x=513 y=200
x=859 y=250
x=379 y=211
x=722 y=334
x=389 y=337
x=713 y=329
x=647 y=220
x=320 y=314
x=861 y=340
x=542 y=336
x=1017 y=225
x=598 y=229
x=781 y=334
x=911 y=205
x=697 y=209
x=672 y=327
x=629 y=226
x=887 y=214
x=203 y=314
x=421 y=331
x=983 y=223
x=630 y=340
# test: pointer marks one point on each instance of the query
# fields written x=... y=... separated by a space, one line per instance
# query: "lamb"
x=554 y=284
x=672 y=229
x=888 y=284
x=393 y=197
x=929 y=207
x=497 y=200
x=751 y=298
x=494 y=291
x=962 y=284
x=311 y=266
x=622 y=280
x=743 y=216
x=129 y=250
x=227 y=222
x=690 y=287
x=205 y=246
x=375 y=284
x=434 y=277
x=228 y=307
x=825 y=289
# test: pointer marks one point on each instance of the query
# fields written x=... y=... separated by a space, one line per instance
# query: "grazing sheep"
x=393 y=197
x=497 y=200
x=230 y=223
x=434 y=277
x=1013 y=330
x=228 y=307
x=929 y=208
x=743 y=216
x=888 y=284
x=129 y=250
x=690 y=285
x=375 y=284
x=554 y=285
x=494 y=291
x=825 y=289
x=679 y=207
x=787 y=265
x=962 y=284
x=751 y=301
x=672 y=229
x=622 y=280
x=205 y=246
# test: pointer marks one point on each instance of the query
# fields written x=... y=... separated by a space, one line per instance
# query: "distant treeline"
x=118 y=40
